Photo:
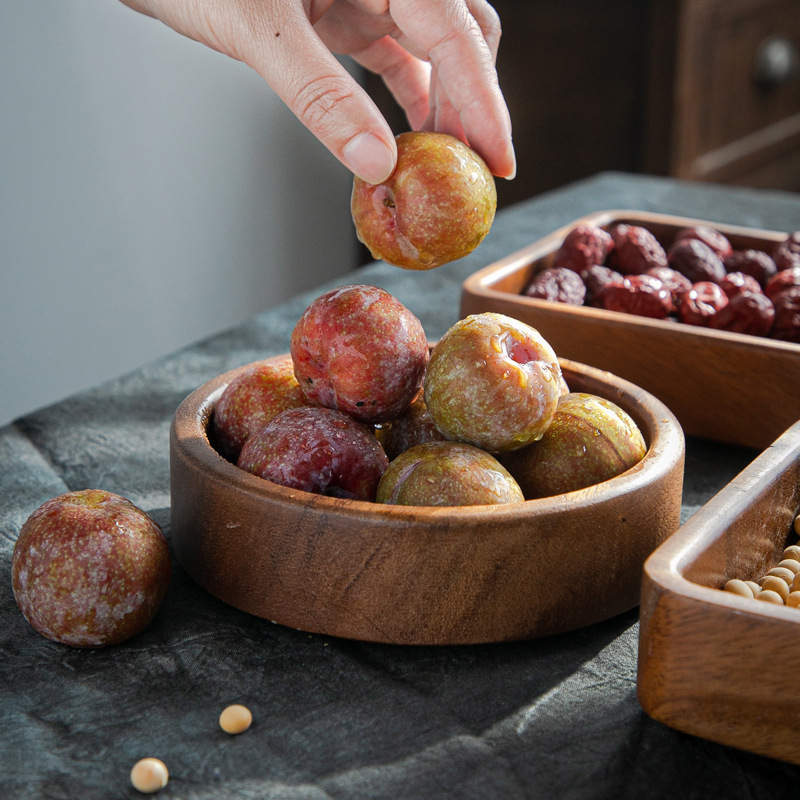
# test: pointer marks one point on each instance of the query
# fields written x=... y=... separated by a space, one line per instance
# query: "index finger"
x=450 y=37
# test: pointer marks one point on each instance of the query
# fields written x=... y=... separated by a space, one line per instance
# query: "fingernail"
x=513 y=156
x=369 y=158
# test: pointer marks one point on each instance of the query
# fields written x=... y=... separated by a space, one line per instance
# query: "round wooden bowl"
x=424 y=575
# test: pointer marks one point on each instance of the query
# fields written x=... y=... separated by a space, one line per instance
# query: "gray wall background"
x=152 y=192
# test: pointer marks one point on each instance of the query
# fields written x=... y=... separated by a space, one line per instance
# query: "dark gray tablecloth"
x=555 y=717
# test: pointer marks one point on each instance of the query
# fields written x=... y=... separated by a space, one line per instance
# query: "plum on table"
x=89 y=569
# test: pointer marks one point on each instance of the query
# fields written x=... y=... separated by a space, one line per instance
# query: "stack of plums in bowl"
x=698 y=278
x=363 y=408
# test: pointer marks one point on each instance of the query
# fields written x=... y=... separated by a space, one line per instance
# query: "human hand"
x=437 y=59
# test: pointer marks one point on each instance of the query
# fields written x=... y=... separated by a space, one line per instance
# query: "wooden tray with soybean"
x=722 y=664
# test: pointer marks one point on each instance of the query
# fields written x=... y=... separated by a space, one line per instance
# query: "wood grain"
x=729 y=387
x=419 y=575
x=711 y=663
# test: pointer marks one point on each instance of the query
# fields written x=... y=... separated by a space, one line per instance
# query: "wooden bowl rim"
x=662 y=431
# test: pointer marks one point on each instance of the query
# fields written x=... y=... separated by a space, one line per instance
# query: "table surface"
x=553 y=717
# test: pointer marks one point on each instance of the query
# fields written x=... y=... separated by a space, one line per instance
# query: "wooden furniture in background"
x=697 y=89
x=732 y=81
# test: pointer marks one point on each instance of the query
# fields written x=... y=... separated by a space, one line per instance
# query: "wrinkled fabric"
x=334 y=719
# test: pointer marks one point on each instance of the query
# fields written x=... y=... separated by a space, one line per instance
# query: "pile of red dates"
x=699 y=280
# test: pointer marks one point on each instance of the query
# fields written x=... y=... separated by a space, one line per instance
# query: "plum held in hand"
x=317 y=450
x=251 y=400
x=447 y=474
x=437 y=205
x=493 y=382
x=359 y=350
x=589 y=440
x=89 y=569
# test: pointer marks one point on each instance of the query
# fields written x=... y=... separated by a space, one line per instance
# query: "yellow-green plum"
x=589 y=440
x=89 y=569
x=437 y=205
x=493 y=382
x=447 y=474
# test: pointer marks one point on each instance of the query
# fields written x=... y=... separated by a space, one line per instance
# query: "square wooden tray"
x=730 y=387
x=711 y=663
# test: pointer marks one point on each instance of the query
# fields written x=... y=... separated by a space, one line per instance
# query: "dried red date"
x=696 y=260
x=752 y=262
x=787 y=315
x=787 y=254
x=677 y=284
x=635 y=251
x=583 y=247
x=737 y=282
x=710 y=237
x=559 y=284
x=701 y=302
x=596 y=278
x=783 y=280
x=642 y=295
x=746 y=312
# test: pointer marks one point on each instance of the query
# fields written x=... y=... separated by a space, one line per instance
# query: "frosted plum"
x=251 y=400
x=493 y=382
x=590 y=440
x=447 y=474
x=359 y=350
x=89 y=569
x=317 y=450
x=437 y=205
